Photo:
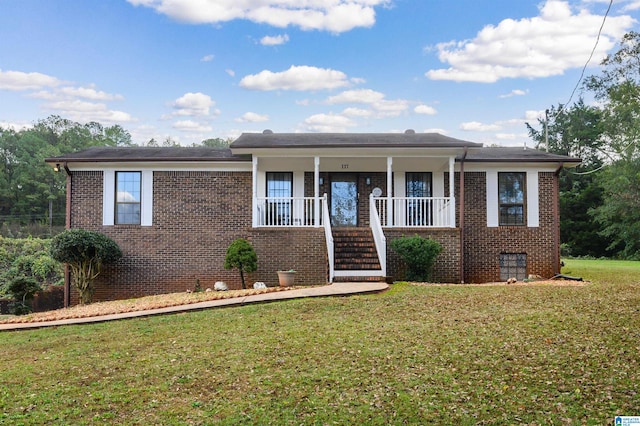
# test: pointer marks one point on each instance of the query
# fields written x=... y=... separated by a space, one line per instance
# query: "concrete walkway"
x=335 y=289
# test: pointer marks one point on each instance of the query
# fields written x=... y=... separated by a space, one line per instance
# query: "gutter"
x=556 y=220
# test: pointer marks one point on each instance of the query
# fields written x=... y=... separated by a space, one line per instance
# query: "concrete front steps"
x=356 y=258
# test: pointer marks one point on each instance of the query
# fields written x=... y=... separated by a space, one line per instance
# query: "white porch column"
x=390 y=221
x=254 y=191
x=316 y=191
x=452 y=192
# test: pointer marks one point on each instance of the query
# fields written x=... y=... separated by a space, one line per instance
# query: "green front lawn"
x=413 y=355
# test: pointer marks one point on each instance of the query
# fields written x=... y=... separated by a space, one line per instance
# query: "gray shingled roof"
x=348 y=140
x=515 y=154
x=476 y=152
x=130 y=154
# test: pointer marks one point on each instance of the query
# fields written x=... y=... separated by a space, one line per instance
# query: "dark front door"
x=344 y=199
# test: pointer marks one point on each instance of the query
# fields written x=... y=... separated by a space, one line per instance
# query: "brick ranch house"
x=326 y=205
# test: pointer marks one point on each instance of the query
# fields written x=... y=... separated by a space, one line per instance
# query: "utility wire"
x=604 y=19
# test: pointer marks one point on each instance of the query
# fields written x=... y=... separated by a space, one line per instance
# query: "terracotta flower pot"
x=286 y=278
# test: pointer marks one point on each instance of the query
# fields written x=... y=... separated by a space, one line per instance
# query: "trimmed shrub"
x=419 y=254
x=85 y=252
x=241 y=255
x=22 y=289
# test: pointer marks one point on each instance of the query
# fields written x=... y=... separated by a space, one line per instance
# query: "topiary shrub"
x=241 y=255
x=85 y=252
x=419 y=254
x=22 y=289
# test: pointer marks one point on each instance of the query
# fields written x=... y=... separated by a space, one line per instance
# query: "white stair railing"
x=378 y=235
x=326 y=222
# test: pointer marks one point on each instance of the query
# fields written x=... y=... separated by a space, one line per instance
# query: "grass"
x=414 y=355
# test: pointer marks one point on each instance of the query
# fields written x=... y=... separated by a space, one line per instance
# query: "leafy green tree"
x=577 y=131
x=419 y=254
x=242 y=256
x=29 y=188
x=618 y=90
x=85 y=252
x=27 y=257
x=619 y=216
x=215 y=143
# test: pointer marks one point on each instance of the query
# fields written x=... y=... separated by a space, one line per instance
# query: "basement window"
x=513 y=265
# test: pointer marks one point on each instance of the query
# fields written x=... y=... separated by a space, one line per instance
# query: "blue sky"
x=197 y=69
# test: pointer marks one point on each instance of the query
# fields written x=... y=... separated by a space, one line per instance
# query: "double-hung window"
x=511 y=198
x=279 y=193
x=128 y=196
x=420 y=210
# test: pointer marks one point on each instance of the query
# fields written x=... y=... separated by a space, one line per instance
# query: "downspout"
x=556 y=221
x=67 y=273
x=464 y=156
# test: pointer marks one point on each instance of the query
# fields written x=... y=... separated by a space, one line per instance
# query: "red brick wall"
x=196 y=216
x=301 y=249
x=482 y=245
x=447 y=266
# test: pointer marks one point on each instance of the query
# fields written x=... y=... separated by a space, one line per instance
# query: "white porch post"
x=452 y=192
x=390 y=221
x=316 y=191
x=254 y=191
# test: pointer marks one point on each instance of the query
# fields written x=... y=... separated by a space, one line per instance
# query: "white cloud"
x=193 y=104
x=295 y=78
x=327 y=123
x=18 y=80
x=362 y=96
x=508 y=136
x=633 y=5
x=81 y=104
x=15 y=126
x=327 y=15
x=542 y=46
x=274 y=40
x=207 y=58
x=425 y=109
x=252 y=117
x=379 y=106
x=191 y=126
x=231 y=72
x=436 y=130
x=515 y=92
x=357 y=112
x=83 y=111
x=475 y=126
x=532 y=116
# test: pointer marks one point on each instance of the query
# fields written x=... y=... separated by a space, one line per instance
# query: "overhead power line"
x=604 y=19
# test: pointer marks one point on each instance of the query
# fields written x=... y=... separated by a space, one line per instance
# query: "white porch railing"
x=415 y=212
x=286 y=211
x=378 y=235
x=326 y=220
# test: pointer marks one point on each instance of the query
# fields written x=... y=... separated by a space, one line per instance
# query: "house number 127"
x=345 y=166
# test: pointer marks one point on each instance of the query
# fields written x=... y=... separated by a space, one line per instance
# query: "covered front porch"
x=352 y=190
x=369 y=193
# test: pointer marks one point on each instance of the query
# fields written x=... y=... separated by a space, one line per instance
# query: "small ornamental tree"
x=419 y=254
x=241 y=255
x=85 y=252
x=23 y=289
